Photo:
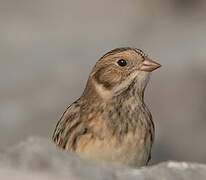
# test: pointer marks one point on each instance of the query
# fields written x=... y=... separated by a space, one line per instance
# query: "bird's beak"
x=149 y=65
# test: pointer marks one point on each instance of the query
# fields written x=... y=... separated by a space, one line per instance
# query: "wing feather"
x=69 y=128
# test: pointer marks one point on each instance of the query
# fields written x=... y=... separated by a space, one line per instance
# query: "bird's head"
x=119 y=68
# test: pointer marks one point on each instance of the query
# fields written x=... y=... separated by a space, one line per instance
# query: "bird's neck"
x=134 y=91
x=96 y=93
x=120 y=113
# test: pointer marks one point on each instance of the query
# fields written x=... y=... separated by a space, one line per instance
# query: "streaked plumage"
x=110 y=121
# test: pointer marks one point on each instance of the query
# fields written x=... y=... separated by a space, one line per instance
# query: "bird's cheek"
x=107 y=79
x=110 y=81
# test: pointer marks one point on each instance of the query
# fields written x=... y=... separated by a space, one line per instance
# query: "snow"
x=38 y=158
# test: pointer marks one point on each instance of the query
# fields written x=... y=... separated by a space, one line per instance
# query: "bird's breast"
x=120 y=134
x=132 y=149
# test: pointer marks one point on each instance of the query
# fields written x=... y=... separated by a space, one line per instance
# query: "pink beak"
x=149 y=65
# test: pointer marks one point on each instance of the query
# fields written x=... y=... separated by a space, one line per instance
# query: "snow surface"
x=38 y=158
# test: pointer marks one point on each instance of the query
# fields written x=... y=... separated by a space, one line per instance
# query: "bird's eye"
x=122 y=62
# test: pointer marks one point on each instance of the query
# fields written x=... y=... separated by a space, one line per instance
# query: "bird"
x=110 y=122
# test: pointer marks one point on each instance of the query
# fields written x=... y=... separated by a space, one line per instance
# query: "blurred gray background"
x=48 y=47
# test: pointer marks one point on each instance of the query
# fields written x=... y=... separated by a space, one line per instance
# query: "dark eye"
x=122 y=62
